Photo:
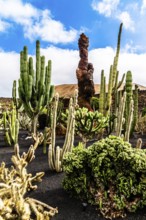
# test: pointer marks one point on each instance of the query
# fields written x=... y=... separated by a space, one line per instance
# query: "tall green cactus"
x=116 y=58
x=109 y=94
x=129 y=121
x=106 y=106
x=120 y=115
x=129 y=95
x=121 y=122
x=135 y=113
x=102 y=94
x=35 y=89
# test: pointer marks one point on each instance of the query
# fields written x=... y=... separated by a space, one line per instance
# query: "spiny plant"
x=89 y=125
x=35 y=89
x=56 y=154
x=15 y=182
x=11 y=126
x=106 y=106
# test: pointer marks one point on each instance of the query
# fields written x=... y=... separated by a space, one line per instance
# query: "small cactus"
x=11 y=126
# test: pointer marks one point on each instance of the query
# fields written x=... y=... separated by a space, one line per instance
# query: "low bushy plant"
x=110 y=174
x=88 y=124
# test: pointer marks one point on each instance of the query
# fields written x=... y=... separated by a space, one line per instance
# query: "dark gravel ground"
x=50 y=190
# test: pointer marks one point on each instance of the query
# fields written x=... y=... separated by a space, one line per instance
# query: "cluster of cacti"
x=35 y=89
x=110 y=174
x=110 y=99
x=120 y=128
x=15 y=183
x=89 y=125
x=106 y=97
x=11 y=126
x=127 y=112
x=56 y=153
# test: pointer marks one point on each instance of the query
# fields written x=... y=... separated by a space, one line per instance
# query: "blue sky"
x=58 y=25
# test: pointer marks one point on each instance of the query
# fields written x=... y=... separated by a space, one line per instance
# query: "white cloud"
x=143 y=7
x=50 y=30
x=9 y=71
x=105 y=7
x=17 y=11
x=35 y=22
x=4 y=26
x=65 y=62
x=125 y=18
x=111 y=8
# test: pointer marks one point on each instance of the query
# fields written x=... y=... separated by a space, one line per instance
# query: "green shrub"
x=109 y=174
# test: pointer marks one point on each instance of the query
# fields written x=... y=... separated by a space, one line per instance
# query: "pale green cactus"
x=11 y=126
x=56 y=153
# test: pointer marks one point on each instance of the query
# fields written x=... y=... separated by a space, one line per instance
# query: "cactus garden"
x=86 y=160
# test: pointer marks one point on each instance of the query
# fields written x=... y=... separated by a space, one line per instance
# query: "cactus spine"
x=34 y=89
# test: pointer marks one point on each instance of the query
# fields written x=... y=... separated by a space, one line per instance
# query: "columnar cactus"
x=102 y=97
x=120 y=115
x=116 y=58
x=16 y=101
x=109 y=94
x=120 y=121
x=35 y=89
x=129 y=121
x=11 y=126
x=129 y=95
x=106 y=101
x=135 y=113
x=56 y=154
